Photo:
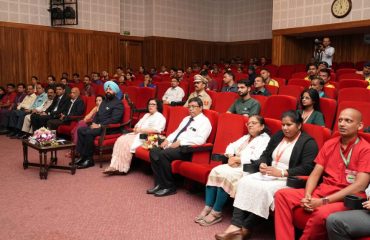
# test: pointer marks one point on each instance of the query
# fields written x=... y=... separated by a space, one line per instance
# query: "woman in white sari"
x=125 y=146
x=223 y=179
x=290 y=152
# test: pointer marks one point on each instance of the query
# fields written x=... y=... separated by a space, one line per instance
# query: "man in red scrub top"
x=344 y=164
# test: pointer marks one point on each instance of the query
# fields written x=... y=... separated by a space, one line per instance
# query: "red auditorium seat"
x=291 y=90
x=277 y=104
x=328 y=108
x=106 y=141
x=300 y=75
x=185 y=86
x=261 y=99
x=354 y=94
x=299 y=67
x=132 y=92
x=142 y=98
x=319 y=133
x=350 y=83
x=331 y=92
x=286 y=71
x=272 y=89
x=223 y=100
x=212 y=95
x=240 y=76
x=65 y=129
x=299 y=82
x=363 y=107
x=341 y=71
x=350 y=76
x=274 y=125
x=359 y=65
x=273 y=69
x=345 y=65
x=280 y=80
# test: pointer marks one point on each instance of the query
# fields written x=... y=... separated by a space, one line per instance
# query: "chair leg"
x=101 y=157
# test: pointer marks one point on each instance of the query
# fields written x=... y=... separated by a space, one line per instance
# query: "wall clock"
x=341 y=8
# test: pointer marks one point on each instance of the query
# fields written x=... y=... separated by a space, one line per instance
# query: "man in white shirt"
x=327 y=51
x=193 y=130
x=174 y=93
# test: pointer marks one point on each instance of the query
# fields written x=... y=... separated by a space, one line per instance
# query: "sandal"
x=110 y=171
x=203 y=214
x=217 y=219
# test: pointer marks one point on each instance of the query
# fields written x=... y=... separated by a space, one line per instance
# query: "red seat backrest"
x=291 y=90
x=350 y=76
x=349 y=83
x=338 y=72
x=213 y=118
x=280 y=80
x=162 y=88
x=274 y=125
x=330 y=92
x=144 y=94
x=363 y=107
x=126 y=119
x=299 y=82
x=299 y=68
x=185 y=86
x=286 y=71
x=354 y=94
x=273 y=69
x=176 y=115
x=227 y=133
x=277 y=104
x=90 y=104
x=223 y=100
x=328 y=108
x=261 y=99
x=272 y=89
x=301 y=75
x=132 y=92
x=319 y=133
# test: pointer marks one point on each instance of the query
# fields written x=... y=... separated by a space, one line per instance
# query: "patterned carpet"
x=89 y=205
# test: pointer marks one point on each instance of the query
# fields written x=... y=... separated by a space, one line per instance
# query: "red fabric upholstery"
x=281 y=81
x=274 y=125
x=320 y=134
x=354 y=94
x=350 y=76
x=185 y=86
x=363 y=107
x=328 y=108
x=272 y=89
x=261 y=99
x=300 y=75
x=291 y=90
x=299 y=82
x=342 y=65
x=344 y=70
x=276 y=105
x=132 y=92
x=222 y=101
x=330 y=92
x=299 y=67
x=144 y=94
x=162 y=88
x=350 y=83
x=286 y=71
x=273 y=69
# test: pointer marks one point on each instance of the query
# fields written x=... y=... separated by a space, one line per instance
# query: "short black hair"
x=327 y=71
x=76 y=75
x=315 y=97
x=230 y=73
x=35 y=78
x=23 y=85
x=60 y=85
x=197 y=100
x=10 y=85
x=246 y=82
x=204 y=73
x=158 y=102
x=52 y=77
x=294 y=115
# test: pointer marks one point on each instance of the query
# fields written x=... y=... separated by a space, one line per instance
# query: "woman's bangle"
x=282 y=173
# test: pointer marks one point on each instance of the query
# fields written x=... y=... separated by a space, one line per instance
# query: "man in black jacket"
x=59 y=105
x=110 y=111
x=75 y=107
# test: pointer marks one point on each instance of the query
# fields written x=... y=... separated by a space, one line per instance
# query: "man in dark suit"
x=111 y=111
x=59 y=105
x=75 y=107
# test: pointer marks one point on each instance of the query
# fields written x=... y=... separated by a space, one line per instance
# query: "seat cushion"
x=142 y=154
x=195 y=171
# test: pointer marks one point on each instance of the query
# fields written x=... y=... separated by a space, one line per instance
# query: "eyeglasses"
x=152 y=104
x=305 y=98
x=192 y=106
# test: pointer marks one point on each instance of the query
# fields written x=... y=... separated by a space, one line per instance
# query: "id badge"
x=350 y=176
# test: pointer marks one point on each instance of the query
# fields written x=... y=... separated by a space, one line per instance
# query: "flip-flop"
x=205 y=223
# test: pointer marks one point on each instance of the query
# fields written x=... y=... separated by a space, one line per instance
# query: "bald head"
x=75 y=93
x=349 y=122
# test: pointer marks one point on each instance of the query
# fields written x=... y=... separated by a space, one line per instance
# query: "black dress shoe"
x=16 y=136
x=11 y=134
x=153 y=190
x=86 y=164
x=80 y=160
x=165 y=192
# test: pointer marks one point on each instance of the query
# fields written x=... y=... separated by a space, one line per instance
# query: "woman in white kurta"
x=290 y=152
x=223 y=179
x=125 y=146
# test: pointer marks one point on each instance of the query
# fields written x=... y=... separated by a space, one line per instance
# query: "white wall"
x=101 y=15
x=301 y=13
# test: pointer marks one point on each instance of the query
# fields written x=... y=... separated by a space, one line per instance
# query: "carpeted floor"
x=89 y=205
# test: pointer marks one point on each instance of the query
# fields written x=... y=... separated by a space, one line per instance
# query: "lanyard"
x=243 y=146
x=280 y=153
x=347 y=159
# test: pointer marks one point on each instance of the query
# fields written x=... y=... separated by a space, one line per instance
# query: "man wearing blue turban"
x=111 y=111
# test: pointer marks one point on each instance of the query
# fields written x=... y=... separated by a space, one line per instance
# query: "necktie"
x=70 y=108
x=56 y=107
x=184 y=128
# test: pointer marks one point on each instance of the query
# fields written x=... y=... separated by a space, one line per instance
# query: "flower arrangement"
x=153 y=140
x=43 y=136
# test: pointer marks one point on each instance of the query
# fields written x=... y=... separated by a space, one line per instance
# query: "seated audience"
x=265 y=74
x=163 y=70
x=212 y=84
x=245 y=104
x=290 y=152
x=229 y=81
x=51 y=81
x=67 y=89
x=21 y=94
x=180 y=74
x=111 y=111
x=125 y=146
x=351 y=224
x=2 y=92
x=193 y=130
x=42 y=103
x=325 y=75
x=59 y=105
x=344 y=166
x=318 y=83
x=76 y=78
x=129 y=78
x=252 y=73
x=6 y=104
x=322 y=65
x=147 y=81
x=74 y=107
x=88 y=89
x=366 y=73
x=16 y=116
x=95 y=79
x=310 y=107
x=119 y=72
x=174 y=93
x=34 y=81
x=104 y=76
x=200 y=84
x=259 y=87
x=311 y=71
x=223 y=179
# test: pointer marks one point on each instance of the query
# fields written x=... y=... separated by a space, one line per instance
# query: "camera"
x=318 y=45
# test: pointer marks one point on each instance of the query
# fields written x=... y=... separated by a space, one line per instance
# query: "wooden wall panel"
x=27 y=50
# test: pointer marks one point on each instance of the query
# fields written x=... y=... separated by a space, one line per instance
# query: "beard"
x=242 y=94
x=109 y=96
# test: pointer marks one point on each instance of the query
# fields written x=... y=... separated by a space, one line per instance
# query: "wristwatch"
x=325 y=200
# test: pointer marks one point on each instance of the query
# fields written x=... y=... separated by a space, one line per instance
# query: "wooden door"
x=131 y=54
